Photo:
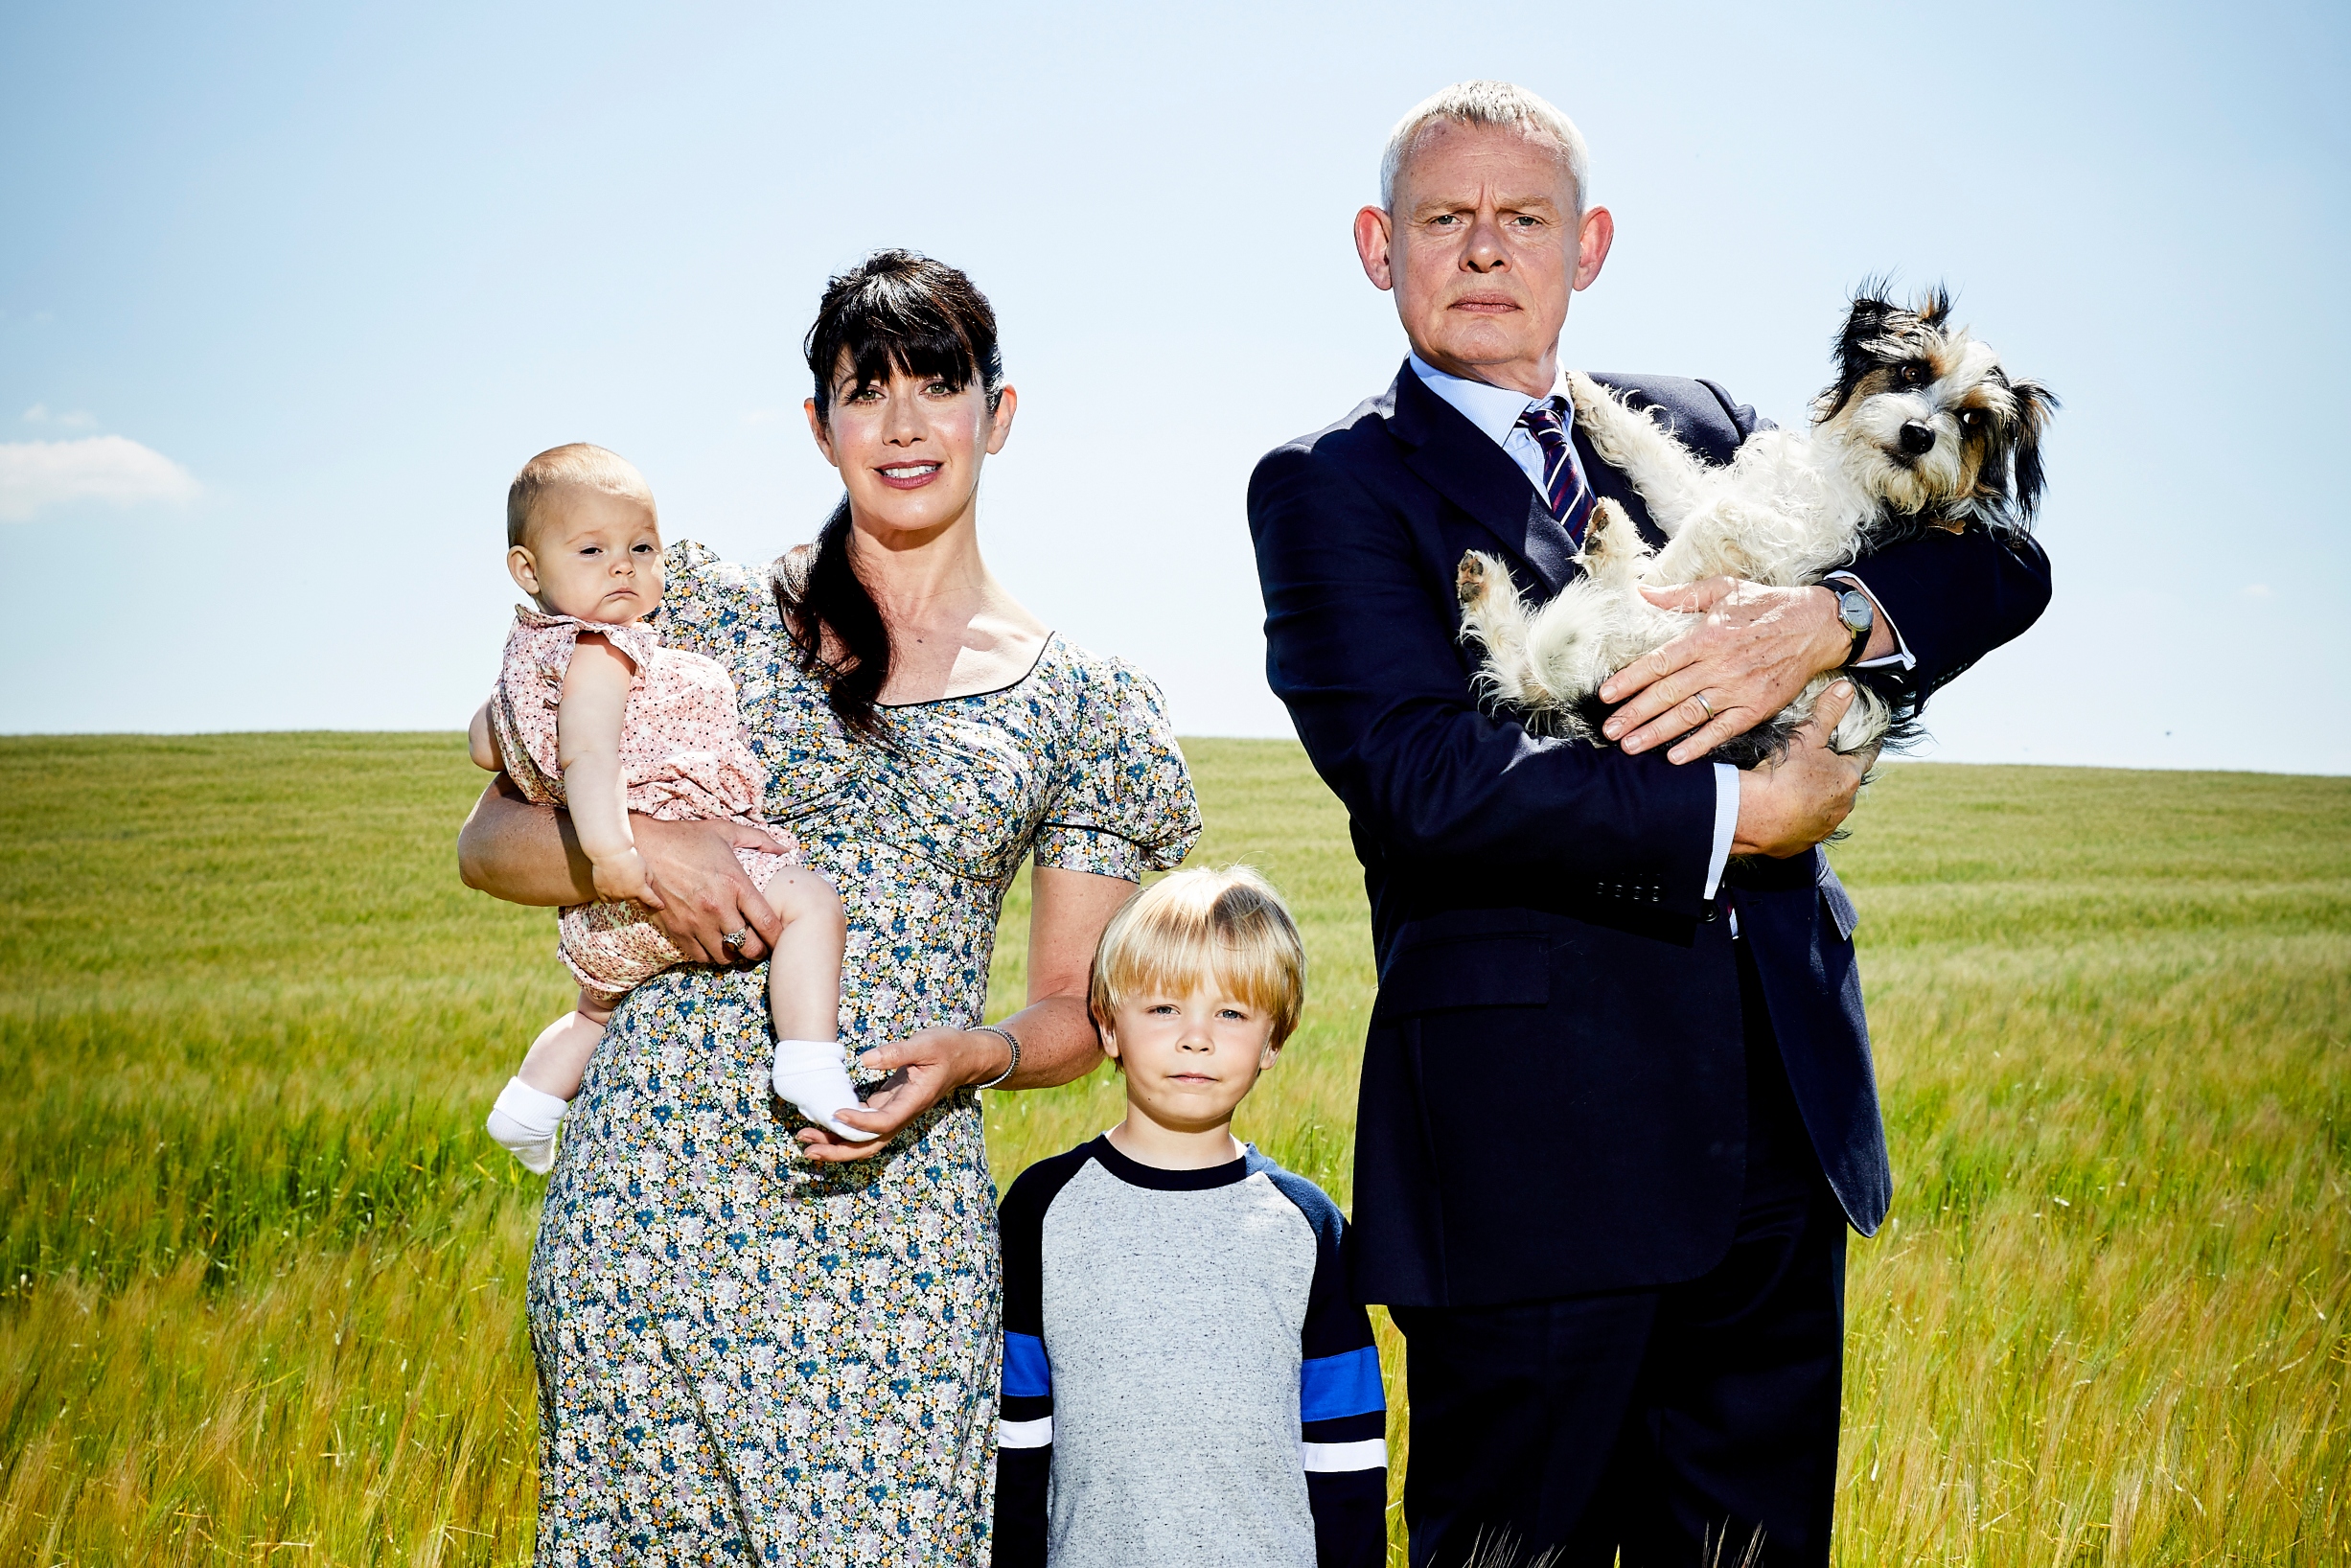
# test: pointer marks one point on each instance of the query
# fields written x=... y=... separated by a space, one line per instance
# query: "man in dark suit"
x=1617 y=1107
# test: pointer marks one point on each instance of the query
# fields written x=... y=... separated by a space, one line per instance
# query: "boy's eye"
x=642 y=550
x=591 y=549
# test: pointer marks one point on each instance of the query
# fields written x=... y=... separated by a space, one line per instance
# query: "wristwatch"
x=1858 y=616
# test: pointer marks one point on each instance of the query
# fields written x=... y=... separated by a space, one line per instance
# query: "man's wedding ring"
x=736 y=938
x=1704 y=703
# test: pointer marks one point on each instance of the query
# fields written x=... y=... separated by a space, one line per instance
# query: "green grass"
x=261 y=1276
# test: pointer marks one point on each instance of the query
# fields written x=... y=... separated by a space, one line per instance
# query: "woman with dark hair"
x=757 y=1340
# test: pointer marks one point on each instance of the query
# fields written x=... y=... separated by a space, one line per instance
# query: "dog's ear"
x=1934 y=307
x=1865 y=320
x=2035 y=404
x=1866 y=323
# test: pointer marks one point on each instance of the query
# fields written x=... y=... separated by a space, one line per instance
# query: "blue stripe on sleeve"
x=1329 y=1386
x=1028 y=1374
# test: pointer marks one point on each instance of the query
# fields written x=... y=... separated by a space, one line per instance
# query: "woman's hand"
x=702 y=893
x=1068 y=911
x=923 y=1069
x=528 y=854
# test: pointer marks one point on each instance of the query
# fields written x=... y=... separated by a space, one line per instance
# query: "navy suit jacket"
x=1554 y=1093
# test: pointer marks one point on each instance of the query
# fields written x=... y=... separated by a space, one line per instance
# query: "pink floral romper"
x=683 y=757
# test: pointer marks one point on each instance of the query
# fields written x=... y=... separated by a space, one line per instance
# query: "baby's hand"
x=623 y=876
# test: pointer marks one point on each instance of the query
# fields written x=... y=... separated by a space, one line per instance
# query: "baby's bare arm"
x=588 y=723
x=483 y=741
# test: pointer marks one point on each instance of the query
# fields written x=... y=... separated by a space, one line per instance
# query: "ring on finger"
x=1699 y=698
x=736 y=938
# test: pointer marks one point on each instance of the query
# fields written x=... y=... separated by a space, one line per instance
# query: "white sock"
x=815 y=1078
x=523 y=1123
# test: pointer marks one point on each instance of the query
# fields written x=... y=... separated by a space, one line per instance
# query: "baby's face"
x=591 y=554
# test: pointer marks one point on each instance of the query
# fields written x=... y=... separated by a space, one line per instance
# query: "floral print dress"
x=744 y=1357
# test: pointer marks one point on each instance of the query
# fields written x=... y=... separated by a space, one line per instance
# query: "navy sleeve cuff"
x=1351 y=1518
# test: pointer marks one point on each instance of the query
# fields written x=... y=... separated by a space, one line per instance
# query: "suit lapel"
x=1464 y=465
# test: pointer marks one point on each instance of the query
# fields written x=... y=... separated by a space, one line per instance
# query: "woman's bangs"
x=879 y=342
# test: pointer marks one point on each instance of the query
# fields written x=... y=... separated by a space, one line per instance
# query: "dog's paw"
x=1589 y=397
x=1476 y=576
x=1612 y=546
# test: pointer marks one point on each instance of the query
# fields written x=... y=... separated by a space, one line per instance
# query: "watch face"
x=1854 y=610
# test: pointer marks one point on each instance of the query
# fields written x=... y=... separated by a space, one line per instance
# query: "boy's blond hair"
x=1227 y=926
x=576 y=463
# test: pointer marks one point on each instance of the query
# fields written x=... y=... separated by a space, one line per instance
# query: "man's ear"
x=1374 y=232
x=1594 y=234
x=523 y=569
x=816 y=427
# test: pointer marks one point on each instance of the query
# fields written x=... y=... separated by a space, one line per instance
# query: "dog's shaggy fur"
x=1922 y=429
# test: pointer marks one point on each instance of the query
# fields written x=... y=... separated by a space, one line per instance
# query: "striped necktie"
x=1563 y=487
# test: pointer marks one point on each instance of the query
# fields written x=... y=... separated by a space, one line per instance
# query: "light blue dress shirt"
x=1495 y=410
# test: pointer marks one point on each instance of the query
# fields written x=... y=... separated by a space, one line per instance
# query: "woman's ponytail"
x=821 y=592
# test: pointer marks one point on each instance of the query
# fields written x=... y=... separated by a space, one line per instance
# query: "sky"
x=287 y=293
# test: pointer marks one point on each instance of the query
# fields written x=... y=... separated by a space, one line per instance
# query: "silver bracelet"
x=1010 y=1039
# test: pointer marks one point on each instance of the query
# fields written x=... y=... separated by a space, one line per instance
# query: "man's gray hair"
x=1484 y=103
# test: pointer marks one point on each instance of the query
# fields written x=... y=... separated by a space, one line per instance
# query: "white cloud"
x=39 y=414
x=103 y=467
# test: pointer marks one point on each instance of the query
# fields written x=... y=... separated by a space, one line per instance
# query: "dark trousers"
x=1690 y=1424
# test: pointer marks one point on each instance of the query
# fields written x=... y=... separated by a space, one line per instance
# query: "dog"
x=1922 y=428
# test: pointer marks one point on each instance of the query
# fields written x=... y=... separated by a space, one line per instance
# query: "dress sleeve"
x=1123 y=804
x=713 y=607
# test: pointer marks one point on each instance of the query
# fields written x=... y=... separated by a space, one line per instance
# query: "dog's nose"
x=1918 y=440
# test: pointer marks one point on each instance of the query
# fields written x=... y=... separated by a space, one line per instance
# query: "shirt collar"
x=1492 y=409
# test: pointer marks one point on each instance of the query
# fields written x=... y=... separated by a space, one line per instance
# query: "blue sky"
x=287 y=294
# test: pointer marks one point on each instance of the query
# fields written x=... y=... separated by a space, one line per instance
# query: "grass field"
x=263 y=1276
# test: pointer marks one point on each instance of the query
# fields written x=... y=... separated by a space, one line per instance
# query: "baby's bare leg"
x=804 y=996
x=804 y=976
x=557 y=1059
x=530 y=1109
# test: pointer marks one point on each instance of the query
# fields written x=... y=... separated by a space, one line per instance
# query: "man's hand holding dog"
x=1786 y=807
x=1747 y=659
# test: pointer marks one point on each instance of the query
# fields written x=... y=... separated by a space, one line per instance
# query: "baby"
x=593 y=714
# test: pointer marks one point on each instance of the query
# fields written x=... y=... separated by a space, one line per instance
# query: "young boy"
x=1186 y=1380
